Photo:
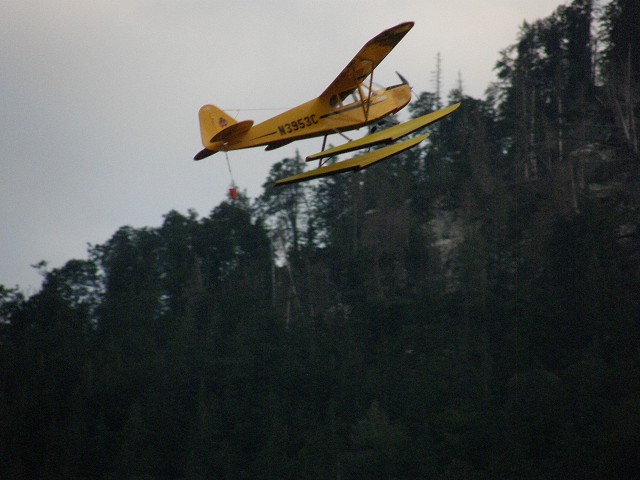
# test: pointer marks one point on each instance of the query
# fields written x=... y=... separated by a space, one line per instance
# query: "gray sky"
x=99 y=99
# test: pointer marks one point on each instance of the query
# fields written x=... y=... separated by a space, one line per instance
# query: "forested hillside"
x=468 y=310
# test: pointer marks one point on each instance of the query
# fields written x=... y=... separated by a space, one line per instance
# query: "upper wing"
x=368 y=58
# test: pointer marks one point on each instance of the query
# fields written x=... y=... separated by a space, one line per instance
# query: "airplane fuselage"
x=320 y=116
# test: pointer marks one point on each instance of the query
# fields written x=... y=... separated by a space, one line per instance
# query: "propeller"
x=406 y=82
x=402 y=79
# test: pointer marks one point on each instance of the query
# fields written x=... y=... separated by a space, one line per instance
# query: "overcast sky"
x=99 y=99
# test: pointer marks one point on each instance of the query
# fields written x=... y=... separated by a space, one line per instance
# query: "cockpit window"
x=346 y=93
x=337 y=101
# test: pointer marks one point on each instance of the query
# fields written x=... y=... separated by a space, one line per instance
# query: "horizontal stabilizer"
x=204 y=153
x=361 y=161
x=232 y=131
x=387 y=135
x=274 y=145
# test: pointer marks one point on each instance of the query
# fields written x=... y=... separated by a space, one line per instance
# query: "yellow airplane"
x=350 y=102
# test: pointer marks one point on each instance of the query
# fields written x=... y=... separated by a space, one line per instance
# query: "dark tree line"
x=466 y=310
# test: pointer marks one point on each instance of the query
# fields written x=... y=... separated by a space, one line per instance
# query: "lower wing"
x=388 y=135
x=356 y=163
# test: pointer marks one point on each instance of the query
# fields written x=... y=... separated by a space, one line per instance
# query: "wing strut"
x=366 y=104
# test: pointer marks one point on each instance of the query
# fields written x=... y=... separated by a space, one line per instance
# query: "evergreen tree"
x=621 y=69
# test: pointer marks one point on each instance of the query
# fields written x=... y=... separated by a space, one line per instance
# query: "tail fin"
x=219 y=131
x=213 y=121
